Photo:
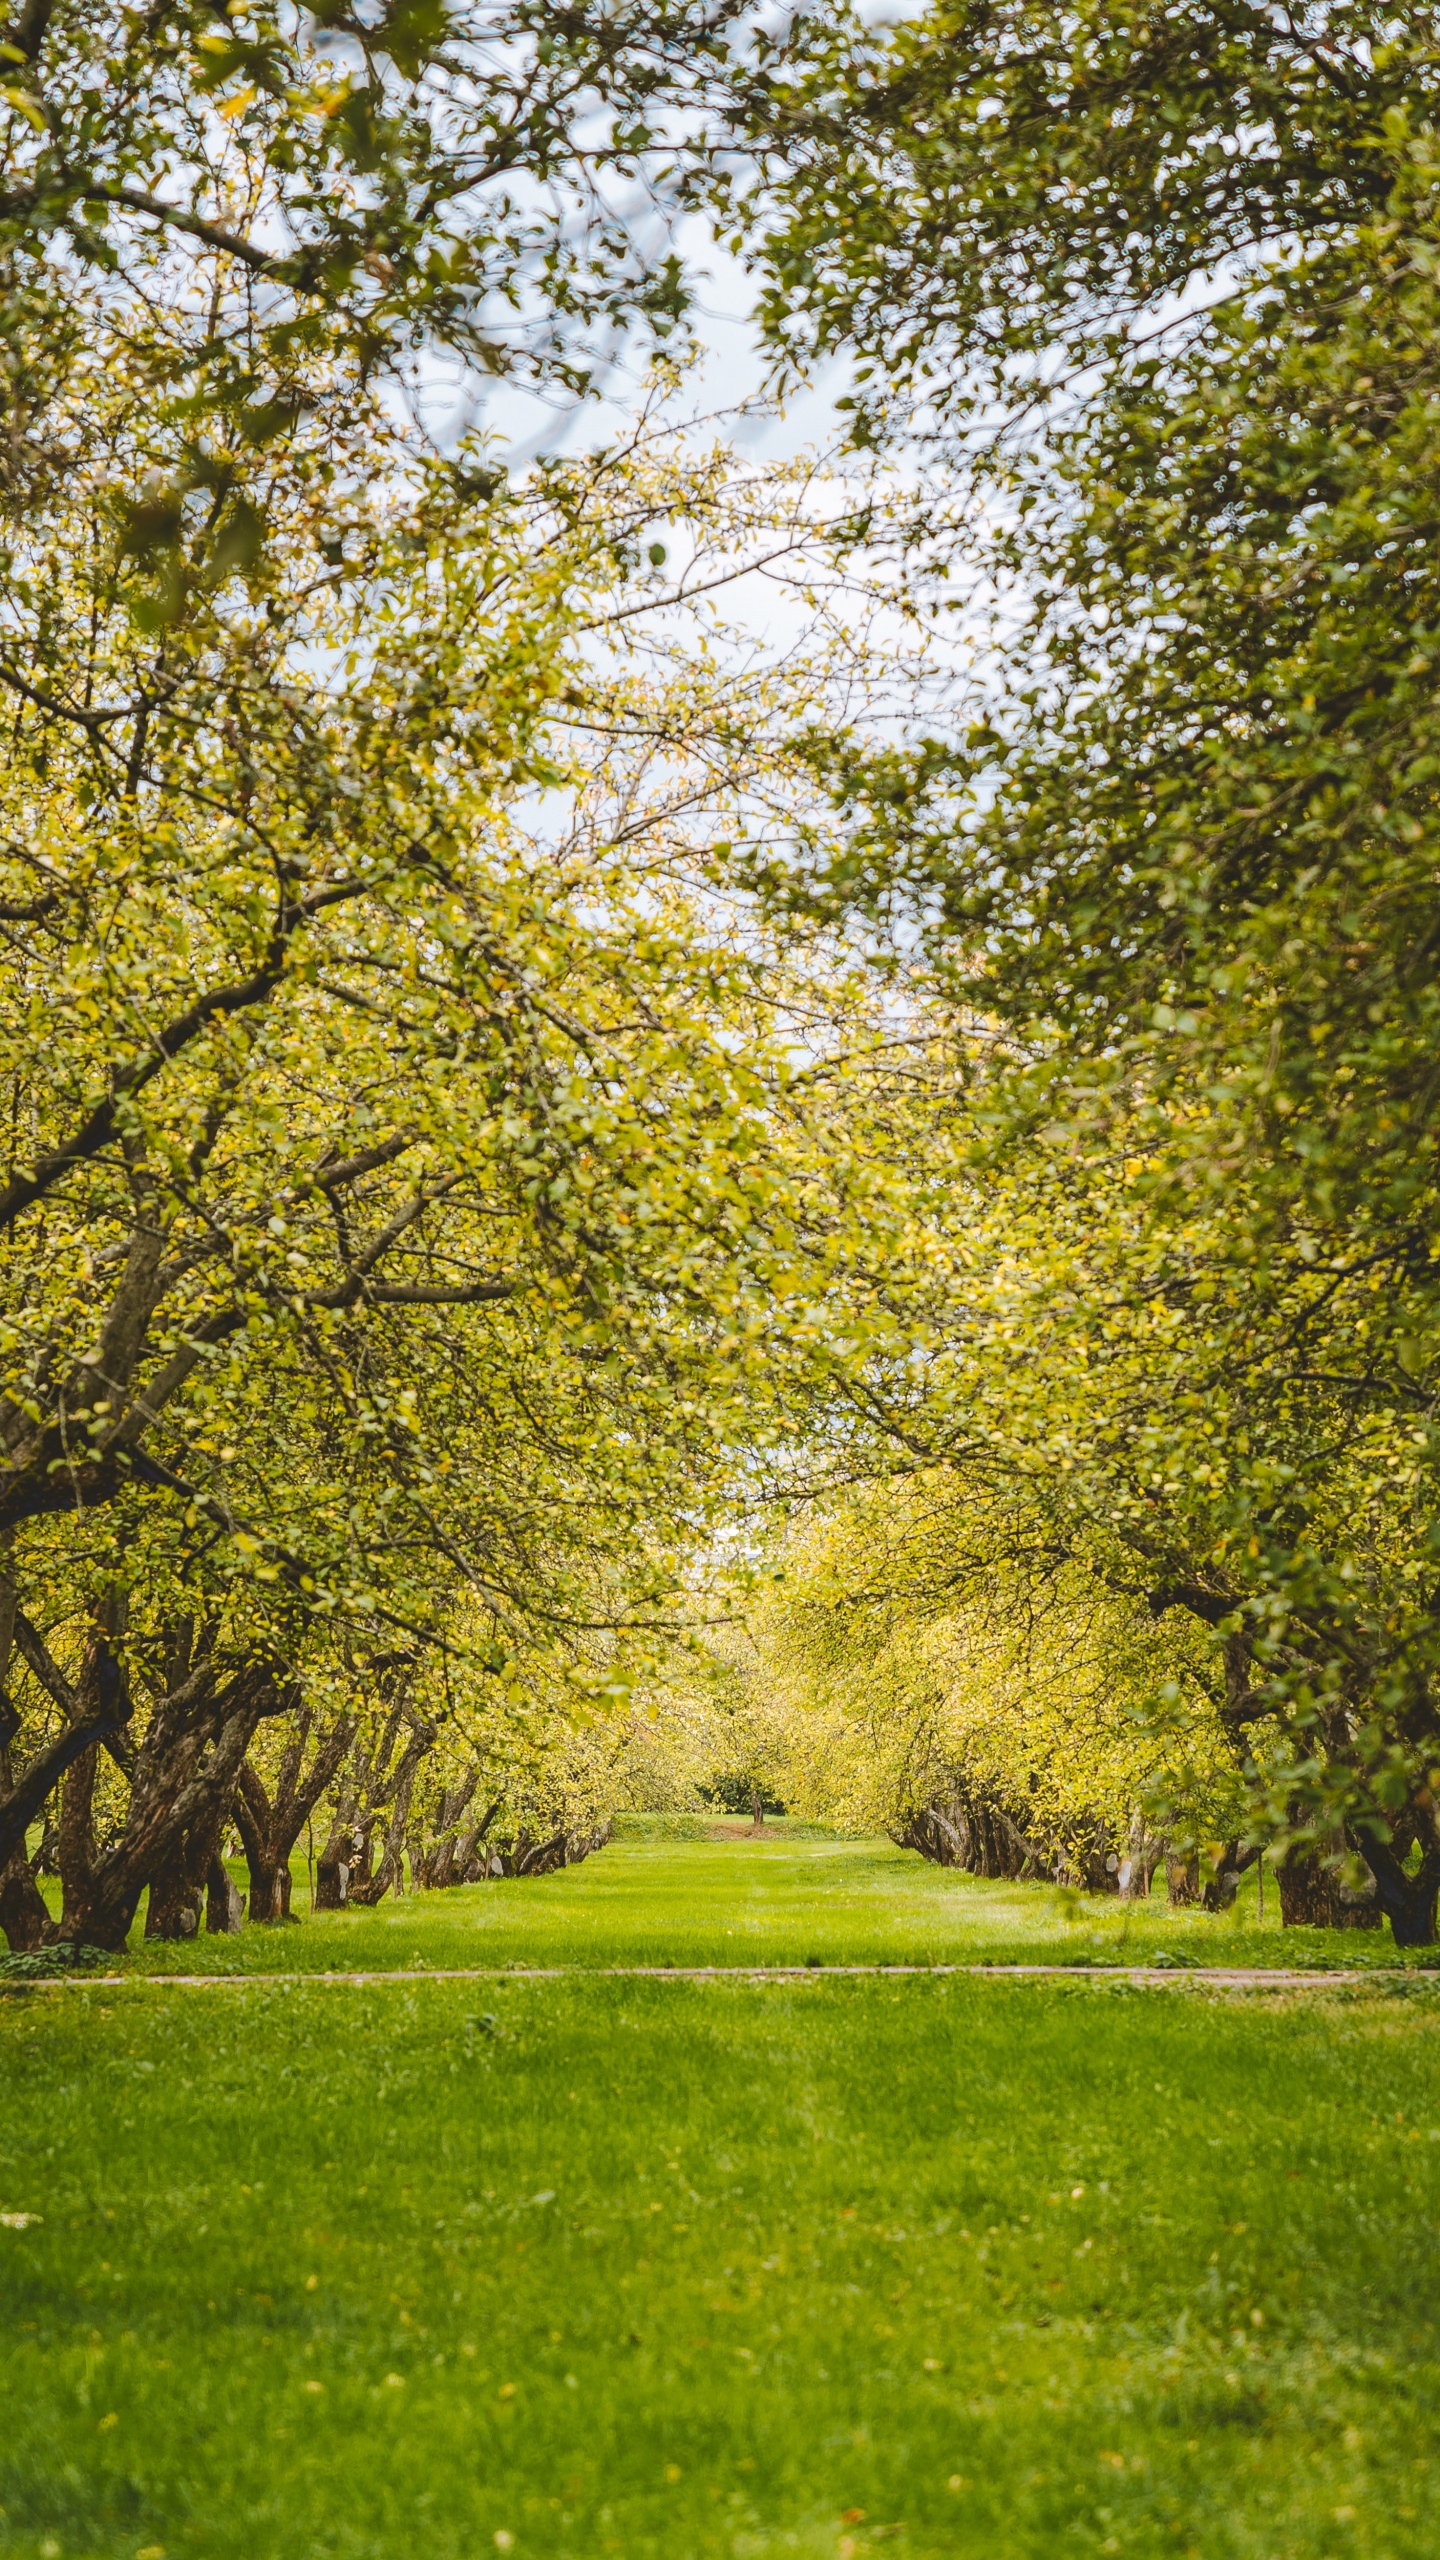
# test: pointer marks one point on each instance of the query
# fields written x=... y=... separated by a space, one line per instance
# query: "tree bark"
x=184 y=1782
x=1312 y=1896
x=1224 y=1881
x=96 y=1712
x=472 y=1855
x=224 y=1902
x=332 y=1876
x=269 y=1829
x=540 y=1853
x=1182 y=1877
x=345 y=1869
x=435 y=1859
x=174 y=1901
x=971 y=1831
x=389 y=1876
x=24 y=1913
x=1407 y=1901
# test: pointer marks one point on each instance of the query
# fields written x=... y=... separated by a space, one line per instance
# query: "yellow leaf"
x=25 y=106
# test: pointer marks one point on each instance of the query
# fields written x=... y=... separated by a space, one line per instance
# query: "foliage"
x=409 y=1206
x=910 y=1639
x=268 y=208
x=989 y=200
x=44 y=1964
x=403 y=1197
x=1168 y=285
x=295 y=1082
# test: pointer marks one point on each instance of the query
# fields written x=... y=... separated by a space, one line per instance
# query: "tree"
x=267 y=209
x=405 y=1198
x=270 y=1822
x=1166 y=284
x=404 y=1189
x=944 y=1669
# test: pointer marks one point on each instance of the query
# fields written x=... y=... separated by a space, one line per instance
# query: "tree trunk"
x=1408 y=1902
x=472 y=1854
x=180 y=1880
x=224 y=1902
x=332 y=1879
x=435 y=1858
x=1224 y=1880
x=173 y=1909
x=24 y=1912
x=267 y=1897
x=1307 y=1893
x=972 y=1831
x=1182 y=1877
x=269 y=1828
x=270 y=1888
x=345 y=1871
x=390 y=1874
x=1312 y=1896
x=940 y=1833
x=540 y=1853
x=184 y=1780
x=95 y=1712
x=541 y=1857
x=1137 y=1866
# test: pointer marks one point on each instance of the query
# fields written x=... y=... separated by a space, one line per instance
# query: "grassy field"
x=777 y=1901
x=942 y=2266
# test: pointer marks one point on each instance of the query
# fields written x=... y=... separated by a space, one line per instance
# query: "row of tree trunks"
x=971 y=1832
x=446 y=1853
x=540 y=1854
x=181 y=1781
x=974 y=1832
x=385 y=1814
x=192 y=1777
x=377 y=1790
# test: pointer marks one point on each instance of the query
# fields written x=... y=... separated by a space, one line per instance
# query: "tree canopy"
x=1161 y=283
x=507 y=1070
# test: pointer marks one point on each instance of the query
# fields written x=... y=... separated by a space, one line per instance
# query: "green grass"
x=672 y=2270
x=773 y=1901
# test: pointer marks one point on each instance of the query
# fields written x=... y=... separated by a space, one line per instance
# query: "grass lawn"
x=776 y=1901
x=940 y=2266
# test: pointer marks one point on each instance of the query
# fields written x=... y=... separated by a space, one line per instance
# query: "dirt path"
x=1139 y=1977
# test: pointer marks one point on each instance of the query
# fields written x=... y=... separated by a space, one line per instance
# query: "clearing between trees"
x=592 y=2265
x=795 y=1896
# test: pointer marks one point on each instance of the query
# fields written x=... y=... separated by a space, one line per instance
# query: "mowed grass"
x=594 y=2266
x=781 y=1900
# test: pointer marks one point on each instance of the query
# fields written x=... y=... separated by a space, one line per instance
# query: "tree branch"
x=175 y=217
x=98 y=1127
